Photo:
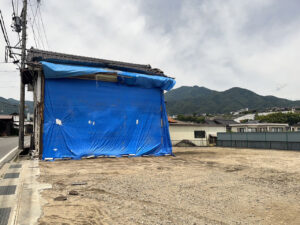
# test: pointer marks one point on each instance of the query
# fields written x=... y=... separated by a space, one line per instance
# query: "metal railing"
x=261 y=140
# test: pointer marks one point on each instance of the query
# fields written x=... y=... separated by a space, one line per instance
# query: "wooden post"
x=41 y=114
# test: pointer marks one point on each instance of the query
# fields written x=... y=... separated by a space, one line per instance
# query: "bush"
x=195 y=119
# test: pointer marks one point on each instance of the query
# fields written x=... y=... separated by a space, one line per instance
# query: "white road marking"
x=14 y=149
x=1 y=160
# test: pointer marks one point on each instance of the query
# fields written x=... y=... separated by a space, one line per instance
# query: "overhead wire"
x=13 y=6
x=17 y=6
x=38 y=25
x=15 y=14
x=39 y=38
x=3 y=28
x=44 y=31
x=32 y=23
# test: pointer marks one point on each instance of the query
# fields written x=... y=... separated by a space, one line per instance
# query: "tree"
x=290 y=118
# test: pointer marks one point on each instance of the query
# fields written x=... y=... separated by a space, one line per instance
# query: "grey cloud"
x=254 y=44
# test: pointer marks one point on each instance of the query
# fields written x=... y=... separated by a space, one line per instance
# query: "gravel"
x=198 y=186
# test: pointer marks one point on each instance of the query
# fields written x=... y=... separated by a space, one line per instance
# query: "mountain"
x=10 y=105
x=188 y=100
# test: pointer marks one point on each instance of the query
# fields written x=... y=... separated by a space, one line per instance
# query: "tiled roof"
x=36 y=55
x=170 y=120
x=225 y=122
x=6 y=117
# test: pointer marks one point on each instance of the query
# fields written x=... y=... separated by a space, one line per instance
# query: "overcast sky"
x=219 y=44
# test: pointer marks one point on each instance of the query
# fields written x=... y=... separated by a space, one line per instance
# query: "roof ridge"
x=36 y=55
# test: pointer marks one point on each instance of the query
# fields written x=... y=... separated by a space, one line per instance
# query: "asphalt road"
x=7 y=144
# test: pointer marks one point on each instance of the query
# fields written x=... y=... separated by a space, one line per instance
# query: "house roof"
x=37 y=55
x=170 y=120
x=206 y=123
x=182 y=123
x=6 y=117
x=195 y=124
x=225 y=122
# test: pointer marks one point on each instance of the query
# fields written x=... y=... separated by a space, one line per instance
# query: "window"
x=264 y=129
x=252 y=129
x=277 y=129
x=199 y=134
x=241 y=130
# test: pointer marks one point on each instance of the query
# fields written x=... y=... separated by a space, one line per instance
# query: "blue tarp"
x=92 y=118
x=53 y=70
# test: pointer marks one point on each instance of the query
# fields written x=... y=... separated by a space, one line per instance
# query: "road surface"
x=8 y=147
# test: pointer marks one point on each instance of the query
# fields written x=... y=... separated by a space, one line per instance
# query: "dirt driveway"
x=198 y=186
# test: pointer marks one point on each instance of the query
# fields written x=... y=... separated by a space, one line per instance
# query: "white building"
x=295 y=127
x=259 y=127
x=197 y=134
x=251 y=116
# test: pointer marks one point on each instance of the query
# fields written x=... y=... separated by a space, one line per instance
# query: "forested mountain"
x=189 y=100
x=10 y=105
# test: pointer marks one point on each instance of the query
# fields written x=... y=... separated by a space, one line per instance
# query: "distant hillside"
x=9 y=106
x=188 y=100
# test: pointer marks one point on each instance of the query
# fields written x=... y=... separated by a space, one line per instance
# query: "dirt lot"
x=198 y=186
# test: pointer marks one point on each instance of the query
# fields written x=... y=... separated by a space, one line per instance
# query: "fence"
x=265 y=140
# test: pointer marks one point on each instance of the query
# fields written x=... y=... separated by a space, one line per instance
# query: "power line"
x=35 y=23
x=3 y=28
x=4 y=32
x=17 y=6
x=43 y=26
x=32 y=23
x=13 y=6
x=36 y=11
x=33 y=32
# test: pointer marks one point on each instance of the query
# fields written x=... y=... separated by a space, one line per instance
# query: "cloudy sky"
x=219 y=44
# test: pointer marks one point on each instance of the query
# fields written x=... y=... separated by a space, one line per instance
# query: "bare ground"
x=198 y=186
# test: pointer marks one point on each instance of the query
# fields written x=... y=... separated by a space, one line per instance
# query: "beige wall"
x=179 y=133
x=295 y=128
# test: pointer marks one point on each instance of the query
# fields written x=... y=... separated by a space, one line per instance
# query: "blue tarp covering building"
x=86 y=115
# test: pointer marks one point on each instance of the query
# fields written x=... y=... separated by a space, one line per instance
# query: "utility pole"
x=22 y=85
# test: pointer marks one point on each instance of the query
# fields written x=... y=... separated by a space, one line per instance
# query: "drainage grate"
x=4 y=215
x=11 y=175
x=8 y=190
x=15 y=166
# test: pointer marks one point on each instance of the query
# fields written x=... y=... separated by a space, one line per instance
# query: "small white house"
x=194 y=133
x=295 y=127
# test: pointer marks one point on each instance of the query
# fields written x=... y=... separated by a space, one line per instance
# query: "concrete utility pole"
x=22 y=85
